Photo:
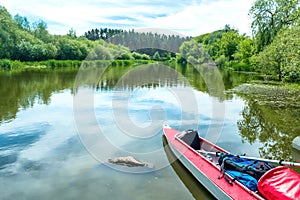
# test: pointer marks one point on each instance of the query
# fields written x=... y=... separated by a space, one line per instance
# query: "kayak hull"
x=200 y=176
x=205 y=169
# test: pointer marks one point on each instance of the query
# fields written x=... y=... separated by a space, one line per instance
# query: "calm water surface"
x=42 y=155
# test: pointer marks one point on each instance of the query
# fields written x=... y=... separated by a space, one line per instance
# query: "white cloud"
x=204 y=18
x=186 y=17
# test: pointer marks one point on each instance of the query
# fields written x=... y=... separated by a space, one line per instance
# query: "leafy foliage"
x=23 y=41
x=102 y=33
x=194 y=52
x=227 y=48
x=137 y=41
x=269 y=17
x=282 y=56
x=138 y=56
x=275 y=46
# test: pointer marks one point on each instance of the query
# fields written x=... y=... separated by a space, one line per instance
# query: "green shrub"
x=127 y=62
x=291 y=74
x=221 y=61
x=242 y=67
x=5 y=64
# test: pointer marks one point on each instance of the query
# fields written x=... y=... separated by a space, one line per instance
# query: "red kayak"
x=206 y=169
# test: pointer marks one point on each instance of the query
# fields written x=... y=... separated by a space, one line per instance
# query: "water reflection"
x=41 y=151
x=12 y=142
x=21 y=90
x=273 y=126
x=197 y=190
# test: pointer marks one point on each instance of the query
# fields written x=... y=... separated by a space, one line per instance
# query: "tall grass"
x=6 y=64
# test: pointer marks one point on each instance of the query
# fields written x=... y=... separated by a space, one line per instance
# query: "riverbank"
x=283 y=85
x=74 y=65
x=6 y=64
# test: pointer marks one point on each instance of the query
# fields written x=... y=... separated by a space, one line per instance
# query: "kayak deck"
x=203 y=164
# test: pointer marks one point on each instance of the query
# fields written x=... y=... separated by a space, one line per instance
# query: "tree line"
x=148 y=40
x=142 y=42
x=21 y=40
x=102 y=33
x=274 y=48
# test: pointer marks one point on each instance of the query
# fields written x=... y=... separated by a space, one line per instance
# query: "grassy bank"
x=278 y=84
x=6 y=64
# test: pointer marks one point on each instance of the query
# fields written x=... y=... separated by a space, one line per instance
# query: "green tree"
x=229 y=44
x=24 y=51
x=194 y=52
x=221 y=61
x=34 y=51
x=100 y=53
x=119 y=51
x=40 y=31
x=39 y=52
x=245 y=51
x=69 y=48
x=22 y=22
x=51 y=51
x=8 y=34
x=72 y=33
x=138 y=56
x=282 y=55
x=269 y=17
x=269 y=60
x=156 y=56
x=211 y=41
x=290 y=44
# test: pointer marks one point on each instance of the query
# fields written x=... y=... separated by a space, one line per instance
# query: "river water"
x=57 y=131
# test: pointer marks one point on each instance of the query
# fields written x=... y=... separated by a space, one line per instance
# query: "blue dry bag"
x=247 y=180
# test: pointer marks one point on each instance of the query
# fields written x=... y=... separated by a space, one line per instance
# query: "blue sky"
x=188 y=17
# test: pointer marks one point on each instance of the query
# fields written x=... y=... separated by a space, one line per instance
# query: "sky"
x=187 y=17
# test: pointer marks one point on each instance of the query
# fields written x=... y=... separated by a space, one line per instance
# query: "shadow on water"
x=197 y=190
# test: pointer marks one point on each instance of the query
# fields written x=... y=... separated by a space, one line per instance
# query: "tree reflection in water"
x=270 y=116
x=272 y=120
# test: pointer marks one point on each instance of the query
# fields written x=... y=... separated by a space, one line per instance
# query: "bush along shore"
x=57 y=64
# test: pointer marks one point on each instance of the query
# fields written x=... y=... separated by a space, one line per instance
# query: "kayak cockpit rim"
x=181 y=134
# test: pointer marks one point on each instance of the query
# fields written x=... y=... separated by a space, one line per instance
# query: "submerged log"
x=129 y=161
